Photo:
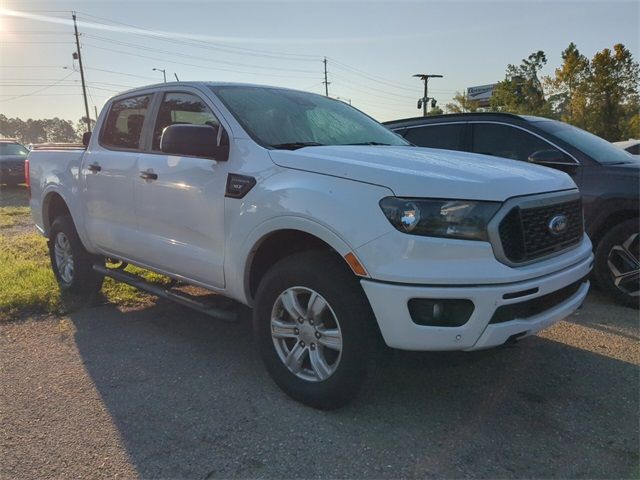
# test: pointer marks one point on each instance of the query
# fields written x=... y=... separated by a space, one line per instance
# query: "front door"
x=508 y=141
x=180 y=199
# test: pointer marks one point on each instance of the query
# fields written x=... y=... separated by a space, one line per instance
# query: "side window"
x=182 y=108
x=449 y=137
x=506 y=141
x=123 y=126
x=634 y=149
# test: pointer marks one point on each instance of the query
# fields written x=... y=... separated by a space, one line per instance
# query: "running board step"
x=159 y=291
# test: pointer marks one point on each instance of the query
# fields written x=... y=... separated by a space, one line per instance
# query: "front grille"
x=535 y=306
x=525 y=235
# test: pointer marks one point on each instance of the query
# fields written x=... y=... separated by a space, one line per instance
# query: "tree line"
x=600 y=95
x=48 y=130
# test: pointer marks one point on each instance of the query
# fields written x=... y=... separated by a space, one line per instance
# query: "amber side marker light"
x=355 y=265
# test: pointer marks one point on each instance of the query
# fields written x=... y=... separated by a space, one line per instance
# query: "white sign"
x=481 y=93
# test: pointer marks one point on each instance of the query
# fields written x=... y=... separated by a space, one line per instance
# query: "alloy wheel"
x=64 y=257
x=624 y=265
x=306 y=334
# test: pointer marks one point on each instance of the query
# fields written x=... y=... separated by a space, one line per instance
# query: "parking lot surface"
x=165 y=392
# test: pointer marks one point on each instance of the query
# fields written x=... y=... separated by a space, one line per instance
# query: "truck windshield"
x=13 y=149
x=597 y=148
x=289 y=119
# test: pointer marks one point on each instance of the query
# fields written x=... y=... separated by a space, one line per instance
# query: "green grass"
x=11 y=216
x=28 y=286
x=27 y=283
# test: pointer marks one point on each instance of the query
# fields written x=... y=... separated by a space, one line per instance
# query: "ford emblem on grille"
x=558 y=224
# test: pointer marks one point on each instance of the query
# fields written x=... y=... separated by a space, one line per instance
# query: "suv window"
x=506 y=141
x=449 y=136
x=123 y=126
x=634 y=149
x=182 y=108
x=13 y=149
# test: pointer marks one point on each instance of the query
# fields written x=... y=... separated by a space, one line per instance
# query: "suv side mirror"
x=196 y=141
x=86 y=136
x=549 y=157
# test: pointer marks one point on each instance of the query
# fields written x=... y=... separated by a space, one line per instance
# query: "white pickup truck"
x=335 y=230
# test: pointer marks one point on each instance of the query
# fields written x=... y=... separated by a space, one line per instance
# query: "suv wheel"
x=315 y=329
x=617 y=267
x=71 y=263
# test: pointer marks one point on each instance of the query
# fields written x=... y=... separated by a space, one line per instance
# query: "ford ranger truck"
x=336 y=231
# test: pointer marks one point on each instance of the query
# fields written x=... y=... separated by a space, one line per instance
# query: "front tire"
x=71 y=263
x=315 y=329
x=617 y=263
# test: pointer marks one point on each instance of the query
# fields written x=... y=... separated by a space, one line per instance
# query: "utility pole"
x=84 y=88
x=326 y=83
x=422 y=102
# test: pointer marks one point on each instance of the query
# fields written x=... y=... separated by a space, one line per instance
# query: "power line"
x=120 y=73
x=194 y=65
x=374 y=78
x=37 y=91
x=387 y=93
x=194 y=57
x=202 y=43
x=3 y=43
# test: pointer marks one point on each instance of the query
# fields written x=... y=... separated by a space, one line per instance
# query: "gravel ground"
x=165 y=392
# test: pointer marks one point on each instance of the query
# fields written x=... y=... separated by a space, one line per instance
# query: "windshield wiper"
x=369 y=143
x=296 y=145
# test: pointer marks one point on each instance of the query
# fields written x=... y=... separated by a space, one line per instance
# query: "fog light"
x=447 y=312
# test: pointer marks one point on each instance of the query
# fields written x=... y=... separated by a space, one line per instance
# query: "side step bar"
x=181 y=298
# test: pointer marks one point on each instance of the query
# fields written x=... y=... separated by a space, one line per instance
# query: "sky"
x=372 y=47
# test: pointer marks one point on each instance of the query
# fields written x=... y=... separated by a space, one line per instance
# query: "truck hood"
x=427 y=172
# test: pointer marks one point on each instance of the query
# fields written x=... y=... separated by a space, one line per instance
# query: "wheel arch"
x=53 y=206
x=295 y=235
x=607 y=220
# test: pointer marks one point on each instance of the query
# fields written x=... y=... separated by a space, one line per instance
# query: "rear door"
x=449 y=136
x=180 y=209
x=109 y=169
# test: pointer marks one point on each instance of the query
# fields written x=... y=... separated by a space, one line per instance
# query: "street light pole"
x=424 y=100
x=164 y=73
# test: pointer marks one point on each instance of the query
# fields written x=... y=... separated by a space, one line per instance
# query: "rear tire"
x=315 y=329
x=71 y=263
x=617 y=263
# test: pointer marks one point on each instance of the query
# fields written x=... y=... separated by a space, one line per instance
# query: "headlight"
x=463 y=219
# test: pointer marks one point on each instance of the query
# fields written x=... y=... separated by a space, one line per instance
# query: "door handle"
x=148 y=175
x=94 y=167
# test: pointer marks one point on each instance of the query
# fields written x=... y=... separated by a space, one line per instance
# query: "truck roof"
x=195 y=84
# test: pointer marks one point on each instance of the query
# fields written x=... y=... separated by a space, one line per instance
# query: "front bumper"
x=390 y=305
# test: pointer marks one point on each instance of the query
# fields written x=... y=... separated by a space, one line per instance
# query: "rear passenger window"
x=449 y=137
x=506 y=141
x=182 y=108
x=123 y=126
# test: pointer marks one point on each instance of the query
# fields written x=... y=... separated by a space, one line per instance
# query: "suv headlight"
x=465 y=219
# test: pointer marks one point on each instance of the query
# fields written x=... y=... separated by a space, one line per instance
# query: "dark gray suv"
x=608 y=178
x=12 y=157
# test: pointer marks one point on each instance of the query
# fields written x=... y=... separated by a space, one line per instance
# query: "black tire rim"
x=624 y=265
